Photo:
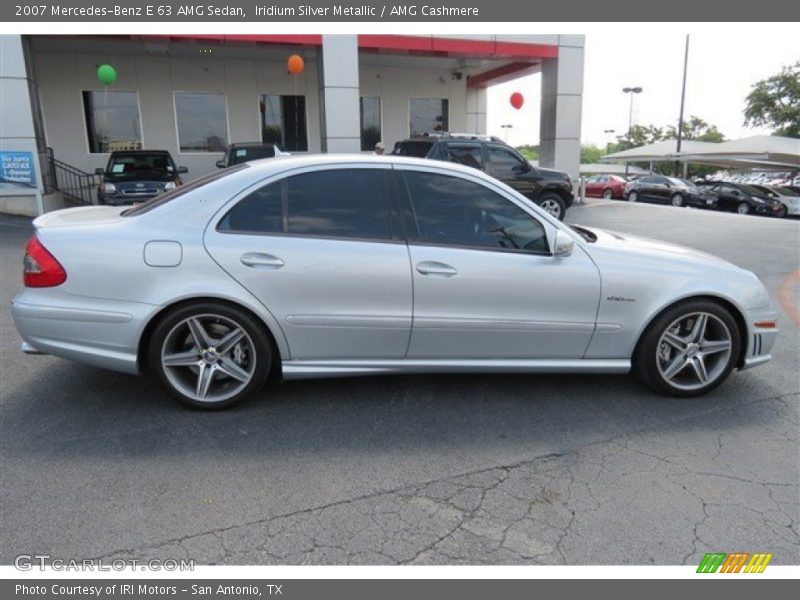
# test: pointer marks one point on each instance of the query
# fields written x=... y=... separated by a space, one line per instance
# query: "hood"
x=652 y=251
x=552 y=173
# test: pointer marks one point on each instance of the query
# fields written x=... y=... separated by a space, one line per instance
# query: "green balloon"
x=106 y=74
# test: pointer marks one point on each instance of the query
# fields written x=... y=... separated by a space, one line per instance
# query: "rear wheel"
x=677 y=200
x=554 y=205
x=743 y=208
x=688 y=350
x=608 y=194
x=210 y=355
x=633 y=197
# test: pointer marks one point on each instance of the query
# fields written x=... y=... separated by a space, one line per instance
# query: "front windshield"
x=785 y=191
x=163 y=198
x=129 y=166
x=752 y=190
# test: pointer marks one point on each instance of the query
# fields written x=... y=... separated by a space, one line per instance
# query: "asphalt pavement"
x=429 y=469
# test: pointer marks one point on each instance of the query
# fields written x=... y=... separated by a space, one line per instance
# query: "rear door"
x=320 y=249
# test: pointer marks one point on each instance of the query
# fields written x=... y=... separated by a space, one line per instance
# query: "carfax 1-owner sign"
x=17 y=167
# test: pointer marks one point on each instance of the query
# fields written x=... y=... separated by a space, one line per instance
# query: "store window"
x=112 y=121
x=429 y=115
x=202 y=122
x=283 y=122
x=370 y=122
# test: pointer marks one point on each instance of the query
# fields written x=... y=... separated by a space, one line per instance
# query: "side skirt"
x=311 y=369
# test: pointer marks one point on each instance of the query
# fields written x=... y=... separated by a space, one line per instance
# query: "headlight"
x=170 y=185
x=109 y=188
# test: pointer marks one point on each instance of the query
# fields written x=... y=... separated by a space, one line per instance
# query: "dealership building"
x=193 y=94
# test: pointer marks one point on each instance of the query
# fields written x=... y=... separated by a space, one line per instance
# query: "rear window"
x=161 y=199
x=240 y=155
x=135 y=165
x=418 y=149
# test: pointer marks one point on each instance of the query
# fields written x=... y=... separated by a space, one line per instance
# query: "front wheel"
x=633 y=197
x=554 y=205
x=688 y=350
x=782 y=212
x=677 y=200
x=210 y=355
x=743 y=208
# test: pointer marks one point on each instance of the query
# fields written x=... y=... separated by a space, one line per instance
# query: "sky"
x=721 y=70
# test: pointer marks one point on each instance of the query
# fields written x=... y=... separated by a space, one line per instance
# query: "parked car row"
x=764 y=178
x=726 y=196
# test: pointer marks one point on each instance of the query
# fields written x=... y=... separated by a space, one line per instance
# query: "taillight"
x=41 y=268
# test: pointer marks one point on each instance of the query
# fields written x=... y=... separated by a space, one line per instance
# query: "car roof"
x=139 y=152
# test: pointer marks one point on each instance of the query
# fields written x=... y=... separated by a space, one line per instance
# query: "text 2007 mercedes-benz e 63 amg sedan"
x=323 y=266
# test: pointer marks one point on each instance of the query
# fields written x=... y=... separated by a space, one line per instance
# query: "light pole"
x=506 y=126
x=609 y=133
x=632 y=91
x=680 y=116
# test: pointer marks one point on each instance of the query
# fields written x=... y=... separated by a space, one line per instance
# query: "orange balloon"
x=295 y=64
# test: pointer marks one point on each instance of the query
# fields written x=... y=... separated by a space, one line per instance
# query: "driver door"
x=485 y=283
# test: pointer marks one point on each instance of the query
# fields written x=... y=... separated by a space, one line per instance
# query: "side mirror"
x=563 y=245
x=99 y=171
x=220 y=164
x=183 y=170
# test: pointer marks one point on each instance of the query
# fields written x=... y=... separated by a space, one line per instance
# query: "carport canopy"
x=610 y=169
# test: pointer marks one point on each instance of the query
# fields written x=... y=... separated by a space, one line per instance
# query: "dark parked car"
x=676 y=191
x=745 y=199
x=550 y=189
x=607 y=186
x=137 y=175
x=242 y=152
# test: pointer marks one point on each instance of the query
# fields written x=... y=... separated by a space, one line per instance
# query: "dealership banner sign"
x=463 y=11
x=17 y=167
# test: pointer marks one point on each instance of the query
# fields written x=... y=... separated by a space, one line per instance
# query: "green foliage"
x=695 y=128
x=591 y=154
x=529 y=152
x=775 y=102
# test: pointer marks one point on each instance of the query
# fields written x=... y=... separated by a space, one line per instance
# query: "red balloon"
x=295 y=64
x=517 y=100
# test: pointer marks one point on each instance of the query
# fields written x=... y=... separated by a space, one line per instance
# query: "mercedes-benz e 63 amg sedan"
x=323 y=266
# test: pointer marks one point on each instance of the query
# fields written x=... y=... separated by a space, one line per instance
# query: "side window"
x=504 y=162
x=466 y=154
x=454 y=211
x=351 y=203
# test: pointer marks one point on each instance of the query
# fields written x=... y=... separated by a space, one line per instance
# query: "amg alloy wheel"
x=689 y=350
x=210 y=355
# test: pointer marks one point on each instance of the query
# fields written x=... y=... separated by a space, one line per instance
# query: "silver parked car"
x=323 y=266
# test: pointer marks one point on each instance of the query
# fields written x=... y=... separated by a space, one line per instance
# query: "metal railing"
x=78 y=187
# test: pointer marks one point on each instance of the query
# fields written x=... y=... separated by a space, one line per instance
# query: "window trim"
x=86 y=123
x=177 y=128
x=396 y=226
x=407 y=209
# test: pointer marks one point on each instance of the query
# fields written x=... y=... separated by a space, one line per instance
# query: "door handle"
x=436 y=269
x=259 y=260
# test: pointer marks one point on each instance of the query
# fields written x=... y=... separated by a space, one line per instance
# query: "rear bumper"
x=97 y=332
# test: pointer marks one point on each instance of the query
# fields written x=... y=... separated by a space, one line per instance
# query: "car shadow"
x=80 y=410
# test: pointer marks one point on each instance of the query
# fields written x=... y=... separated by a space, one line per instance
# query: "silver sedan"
x=324 y=266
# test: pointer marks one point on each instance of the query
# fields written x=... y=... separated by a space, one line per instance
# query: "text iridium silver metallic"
x=336 y=306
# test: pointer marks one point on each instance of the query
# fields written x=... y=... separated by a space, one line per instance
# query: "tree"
x=529 y=152
x=591 y=154
x=695 y=128
x=775 y=102
x=638 y=135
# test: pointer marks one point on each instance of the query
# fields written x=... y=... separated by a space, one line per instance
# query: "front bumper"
x=759 y=339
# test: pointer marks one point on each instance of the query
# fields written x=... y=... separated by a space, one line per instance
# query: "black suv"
x=137 y=175
x=551 y=190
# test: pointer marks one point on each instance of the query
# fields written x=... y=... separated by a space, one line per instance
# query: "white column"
x=562 y=91
x=17 y=129
x=340 y=127
x=476 y=110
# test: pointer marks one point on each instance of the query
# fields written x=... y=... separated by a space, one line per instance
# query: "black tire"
x=260 y=347
x=633 y=196
x=608 y=194
x=553 y=204
x=645 y=356
x=678 y=200
x=743 y=208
